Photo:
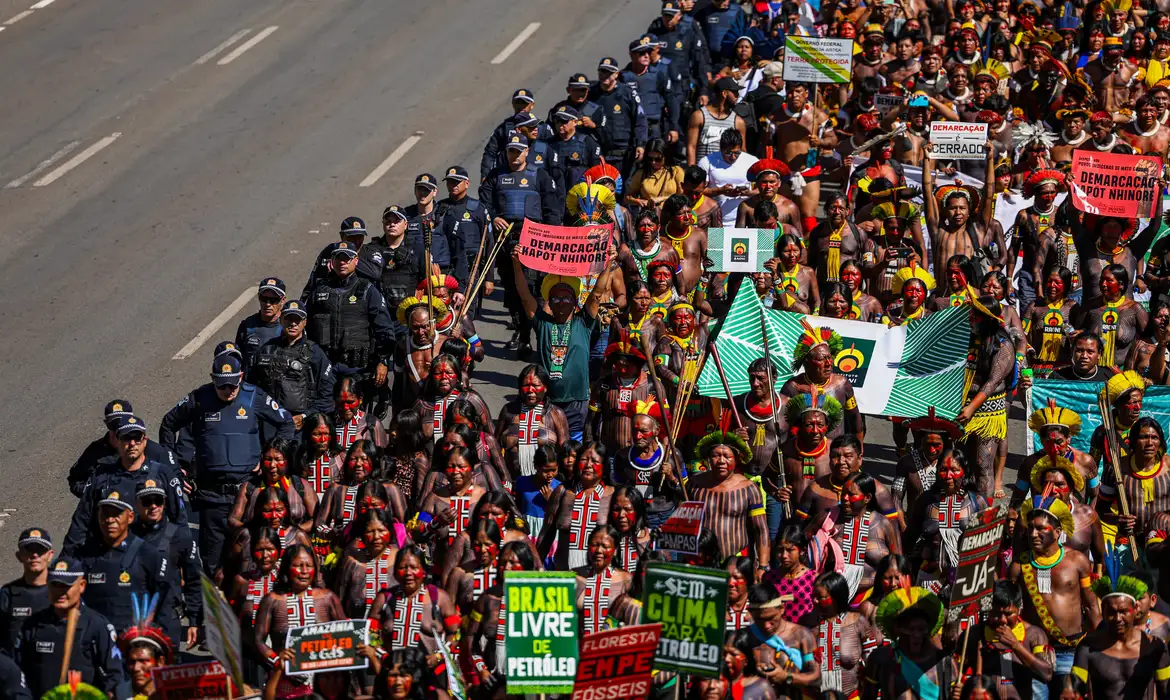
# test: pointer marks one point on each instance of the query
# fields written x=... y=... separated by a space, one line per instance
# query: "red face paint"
x=913 y=293
x=957 y=279
x=852 y=278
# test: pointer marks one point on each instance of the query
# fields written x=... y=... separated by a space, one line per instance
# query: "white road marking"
x=17 y=17
x=391 y=159
x=44 y=164
x=76 y=160
x=216 y=323
x=42 y=4
x=215 y=52
x=520 y=39
x=239 y=51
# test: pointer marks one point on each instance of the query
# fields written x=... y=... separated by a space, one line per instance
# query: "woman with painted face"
x=844 y=638
x=485 y=638
x=793 y=576
x=663 y=287
x=910 y=286
x=599 y=582
x=491 y=457
x=409 y=614
x=644 y=327
x=342 y=502
x=741 y=678
x=274 y=463
x=321 y=455
x=272 y=511
x=403 y=676
x=577 y=508
x=939 y=519
x=961 y=280
x=864 y=536
x=528 y=422
x=865 y=307
x=1145 y=479
x=888 y=576
x=534 y=493
x=917 y=471
x=627 y=517
x=1118 y=320
x=440 y=391
x=741 y=571
x=248 y=589
x=498 y=507
x=350 y=422
x=1047 y=322
x=913 y=666
x=1148 y=357
x=487 y=452
x=369 y=569
x=465 y=586
x=296 y=601
x=408 y=455
x=446 y=511
x=836 y=301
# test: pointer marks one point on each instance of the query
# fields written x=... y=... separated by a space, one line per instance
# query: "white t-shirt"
x=720 y=172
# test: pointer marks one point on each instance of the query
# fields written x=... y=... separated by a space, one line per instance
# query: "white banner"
x=739 y=249
x=958 y=141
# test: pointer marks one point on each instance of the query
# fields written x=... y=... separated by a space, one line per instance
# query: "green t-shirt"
x=568 y=363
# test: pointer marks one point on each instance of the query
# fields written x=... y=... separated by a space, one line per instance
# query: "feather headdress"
x=811 y=338
x=1114 y=583
x=1027 y=134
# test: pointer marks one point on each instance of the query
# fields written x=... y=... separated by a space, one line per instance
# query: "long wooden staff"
x=1113 y=455
x=474 y=290
x=726 y=387
x=70 y=635
x=782 y=480
x=668 y=416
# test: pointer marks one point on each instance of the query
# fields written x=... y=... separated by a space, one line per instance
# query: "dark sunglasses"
x=271 y=301
x=153 y=501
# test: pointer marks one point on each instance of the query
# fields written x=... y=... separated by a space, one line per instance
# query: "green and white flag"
x=900 y=371
x=740 y=249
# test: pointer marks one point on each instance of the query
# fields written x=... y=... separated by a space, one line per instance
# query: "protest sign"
x=1115 y=184
x=576 y=251
x=978 y=562
x=680 y=532
x=958 y=141
x=205 y=681
x=900 y=371
x=885 y=103
x=812 y=60
x=541 y=642
x=691 y=604
x=455 y=687
x=617 y=663
x=223 y=630
x=328 y=646
x=740 y=249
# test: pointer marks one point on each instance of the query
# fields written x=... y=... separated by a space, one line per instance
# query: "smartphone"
x=901 y=251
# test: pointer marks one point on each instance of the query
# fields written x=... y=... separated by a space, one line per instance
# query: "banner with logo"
x=223 y=630
x=541 y=638
x=1082 y=398
x=328 y=646
x=202 y=681
x=616 y=664
x=680 y=532
x=978 y=561
x=901 y=371
x=958 y=141
x=1115 y=184
x=576 y=251
x=691 y=604
x=810 y=59
x=740 y=249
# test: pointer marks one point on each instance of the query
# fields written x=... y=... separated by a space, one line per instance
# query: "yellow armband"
x=1086 y=582
x=1081 y=674
x=1162 y=674
x=476 y=616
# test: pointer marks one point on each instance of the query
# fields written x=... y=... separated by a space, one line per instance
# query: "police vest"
x=286 y=373
x=460 y=223
x=646 y=85
x=227 y=443
x=518 y=195
x=339 y=323
x=573 y=159
x=615 y=122
x=24 y=601
x=540 y=154
x=400 y=274
x=111 y=578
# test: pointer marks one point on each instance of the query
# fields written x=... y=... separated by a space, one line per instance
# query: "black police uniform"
x=369 y=267
x=400 y=275
x=572 y=158
x=112 y=476
x=588 y=108
x=254 y=332
x=82 y=470
x=689 y=59
x=228 y=436
x=297 y=376
x=441 y=246
x=113 y=573
x=660 y=100
x=349 y=320
x=12 y=683
x=176 y=544
x=18 y=602
x=95 y=652
x=622 y=128
x=464 y=223
x=494 y=150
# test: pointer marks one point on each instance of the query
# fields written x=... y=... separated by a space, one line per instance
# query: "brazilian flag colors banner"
x=542 y=631
x=900 y=371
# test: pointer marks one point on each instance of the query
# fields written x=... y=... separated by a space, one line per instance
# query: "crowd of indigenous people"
x=341 y=463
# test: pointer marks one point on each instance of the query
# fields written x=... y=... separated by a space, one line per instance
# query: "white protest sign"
x=813 y=60
x=958 y=141
x=739 y=249
x=885 y=103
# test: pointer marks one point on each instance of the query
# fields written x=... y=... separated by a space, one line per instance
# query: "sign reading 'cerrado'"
x=541 y=641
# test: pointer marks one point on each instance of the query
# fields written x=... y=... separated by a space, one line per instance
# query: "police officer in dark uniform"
x=348 y=318
x=42 y=639
x=573 y=151
x=658 y=97
x=293 y=369
x=264 y=325
x=124 y=472
x=120 y=563
x=353 y=232
x=12 y=683
x=229 y=420
x=522 y=104
x=403 y=262
x=513 y=192
x=107 y=446
x=176 y=545
x=684 y=44
x=28 y=595
x=421 y=215
x=621 y=133
x=578 y=99
x=464 y=221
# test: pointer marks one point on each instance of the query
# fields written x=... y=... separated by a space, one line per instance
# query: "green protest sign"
x=542 y=631
x=691 y=604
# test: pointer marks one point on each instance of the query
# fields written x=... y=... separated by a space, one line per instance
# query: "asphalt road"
x=158 y=157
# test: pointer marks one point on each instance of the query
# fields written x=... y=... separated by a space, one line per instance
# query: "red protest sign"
x=190 y=681
x=617 y=663
x=1115 y=184
x=680 y=532
x=576 y=251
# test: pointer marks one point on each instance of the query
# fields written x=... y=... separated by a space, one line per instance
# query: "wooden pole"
x=1113 y=454
x=70 y=635
x=963 y=655
x=668 y=416
x=726 y=387
x=475 y=266
x=473 y=291
x=781 y=479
